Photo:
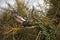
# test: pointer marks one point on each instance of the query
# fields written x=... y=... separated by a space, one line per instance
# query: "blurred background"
x=44 y=15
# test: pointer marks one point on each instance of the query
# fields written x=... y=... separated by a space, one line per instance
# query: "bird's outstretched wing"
x=18 y=18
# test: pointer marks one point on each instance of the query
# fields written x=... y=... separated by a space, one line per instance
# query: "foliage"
x=11 y=30
x=54 y=14
x=54 y=11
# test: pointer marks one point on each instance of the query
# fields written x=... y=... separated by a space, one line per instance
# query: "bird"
x=21 y=20
x=18 y=18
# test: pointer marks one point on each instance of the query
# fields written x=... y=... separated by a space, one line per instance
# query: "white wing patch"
x=21 y=18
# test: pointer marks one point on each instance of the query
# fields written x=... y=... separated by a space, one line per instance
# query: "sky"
x=30 y=3
x=3 y=3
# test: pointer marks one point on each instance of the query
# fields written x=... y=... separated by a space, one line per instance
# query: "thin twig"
x=16 y=29
x=39 y=35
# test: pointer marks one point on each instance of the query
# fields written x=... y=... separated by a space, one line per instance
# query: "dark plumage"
x=21 y=20
x=25 y=23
